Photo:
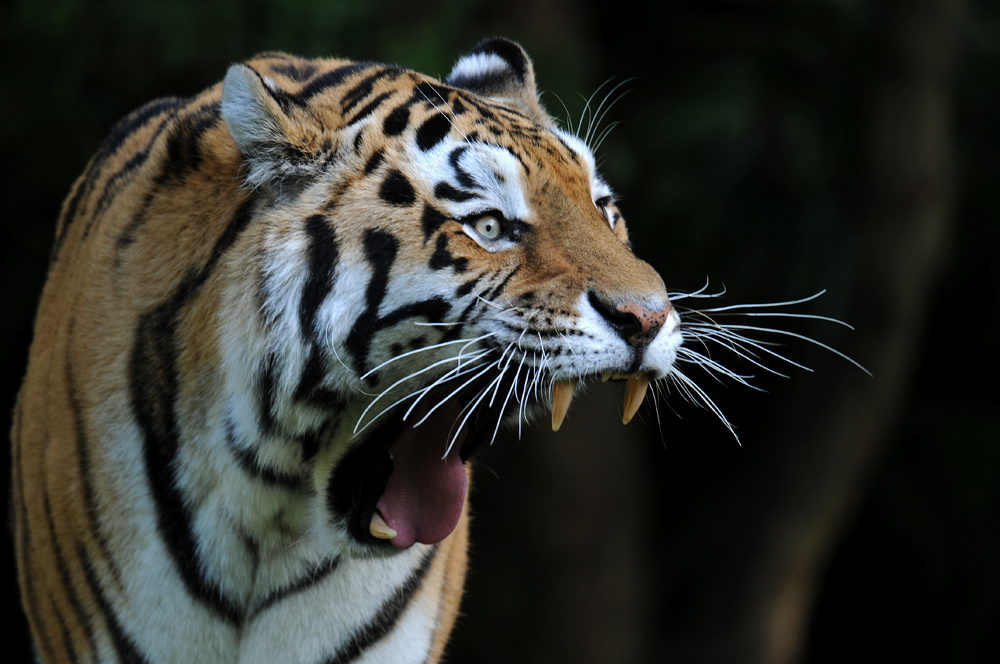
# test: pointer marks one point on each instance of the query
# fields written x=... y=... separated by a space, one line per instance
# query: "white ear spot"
x=499 y=68
x=479 y=67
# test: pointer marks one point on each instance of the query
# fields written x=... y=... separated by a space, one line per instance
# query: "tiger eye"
x=488 y=227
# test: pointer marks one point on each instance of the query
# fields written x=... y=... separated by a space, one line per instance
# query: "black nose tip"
x=633 y=322
x=625 y=323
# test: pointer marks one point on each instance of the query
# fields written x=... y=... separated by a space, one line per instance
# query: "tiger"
x=280 y=317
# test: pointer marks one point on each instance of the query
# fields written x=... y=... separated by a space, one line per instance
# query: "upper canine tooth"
x=379 y=528
x=635 y=392
x=562 y=395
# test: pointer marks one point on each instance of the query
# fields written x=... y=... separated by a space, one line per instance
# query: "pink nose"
x=647 y=323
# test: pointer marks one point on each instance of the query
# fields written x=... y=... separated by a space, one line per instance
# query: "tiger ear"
x=501 y=69
x=264 y=133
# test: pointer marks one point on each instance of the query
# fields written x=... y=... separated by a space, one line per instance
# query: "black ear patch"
x=499 y=68
x=494 y=66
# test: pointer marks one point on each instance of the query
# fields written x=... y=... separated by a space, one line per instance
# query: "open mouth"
x=635 y=392
x=407 y=483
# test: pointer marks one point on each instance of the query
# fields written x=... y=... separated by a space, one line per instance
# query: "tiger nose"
x=633 y=322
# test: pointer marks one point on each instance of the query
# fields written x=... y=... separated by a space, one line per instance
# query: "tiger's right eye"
x=488 y=226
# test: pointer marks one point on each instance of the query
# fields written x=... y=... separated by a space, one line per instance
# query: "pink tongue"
x=424 y=496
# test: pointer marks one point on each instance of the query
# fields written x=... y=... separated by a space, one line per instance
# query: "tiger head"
x=442 y=257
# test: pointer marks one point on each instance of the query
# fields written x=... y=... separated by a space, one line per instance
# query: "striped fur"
x=241 y=283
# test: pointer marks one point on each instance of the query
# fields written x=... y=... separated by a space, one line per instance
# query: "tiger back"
x=280 y=316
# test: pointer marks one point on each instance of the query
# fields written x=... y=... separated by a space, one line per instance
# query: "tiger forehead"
x=341 y=94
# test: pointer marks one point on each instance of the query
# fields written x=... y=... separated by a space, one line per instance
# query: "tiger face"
x=485 y=267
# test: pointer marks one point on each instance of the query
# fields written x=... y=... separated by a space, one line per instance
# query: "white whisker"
x=453 y=393
x=471 y=358
x=798 y=336
x=757 y=305
x=471 y=409
x=704 y=399
x=424 y=349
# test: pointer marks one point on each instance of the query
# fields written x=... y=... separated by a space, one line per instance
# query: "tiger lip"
x=563 y=391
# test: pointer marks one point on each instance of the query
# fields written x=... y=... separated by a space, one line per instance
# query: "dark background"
x=775 y=147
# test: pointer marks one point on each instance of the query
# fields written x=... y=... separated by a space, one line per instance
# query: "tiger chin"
x=280 y=317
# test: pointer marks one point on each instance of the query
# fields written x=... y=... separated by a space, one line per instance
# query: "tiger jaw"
x=423 y=499
x=639 y=344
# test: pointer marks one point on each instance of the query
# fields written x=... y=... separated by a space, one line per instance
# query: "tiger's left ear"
x=276 y=146
x=500 y=68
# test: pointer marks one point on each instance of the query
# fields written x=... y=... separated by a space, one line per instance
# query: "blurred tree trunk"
x=768 y=538
x=587 y=543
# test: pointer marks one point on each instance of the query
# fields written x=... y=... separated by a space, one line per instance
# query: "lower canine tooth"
x=635 y=392
x=562 y=395
x=379 y=528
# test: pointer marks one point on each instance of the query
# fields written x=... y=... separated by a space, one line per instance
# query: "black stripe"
x=380 y=250
x=128 y=651
x=64 y=632
x=374 y=162
x=464 y=179
x=434 y=310
x=364 y=87
x=251 y=465
x=153 y=387
x=493 y=293
x=433 y=131
x=388 y=615
x=28 y=598
x=431 y=93
x=83 y=453
x=467 y=287
x=297 y=71
x=481 y=107
x=313 y=374
x=310 y=390
x=397 y=190
x=322 y=254
x=184 y=142
x=324 y=569
x=309 y=442
x=571 y=151
x=444 y=190
x=455 y=331
x=431 y=220
x=327 y=80
x=66 y=582
x=138 y=119
x=442 y=258
x=112 y=185
x=265 y=394
x=368 y=109
x=395 y=123
x=127 y=237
